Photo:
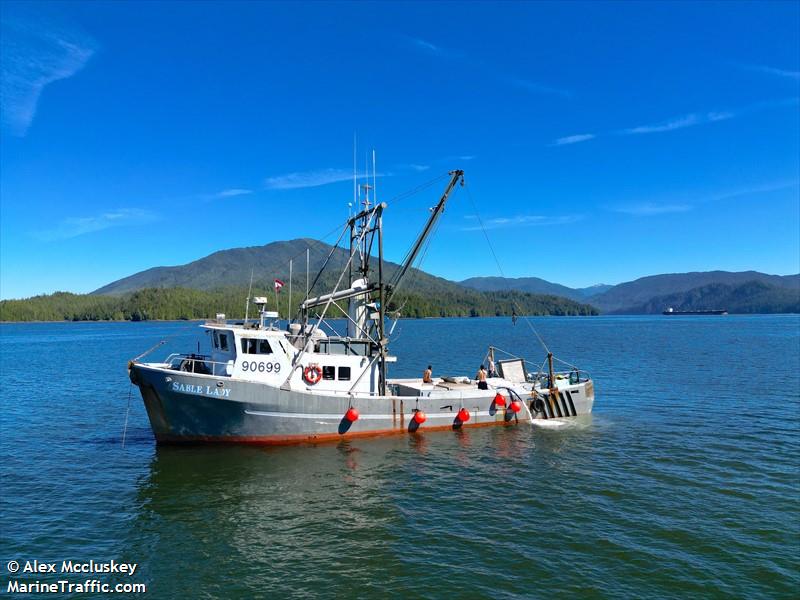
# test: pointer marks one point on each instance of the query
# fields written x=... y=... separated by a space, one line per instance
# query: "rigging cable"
x=500 y=268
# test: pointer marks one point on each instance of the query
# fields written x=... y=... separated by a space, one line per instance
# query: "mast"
x=369 y=297
x=381 y=309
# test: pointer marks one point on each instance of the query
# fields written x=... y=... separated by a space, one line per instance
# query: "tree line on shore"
x=189 y=304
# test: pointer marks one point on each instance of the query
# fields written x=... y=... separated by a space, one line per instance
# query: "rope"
x=127 y=412
x=162 y=342
x=417 y=268
x=500 y=268
x=566 y=363
x=419 y=188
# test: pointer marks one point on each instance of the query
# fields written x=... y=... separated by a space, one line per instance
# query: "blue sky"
x=601 y=142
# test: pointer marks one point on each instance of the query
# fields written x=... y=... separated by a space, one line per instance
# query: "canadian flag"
x=278 y=285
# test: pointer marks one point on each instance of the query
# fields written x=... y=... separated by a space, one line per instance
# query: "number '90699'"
x=261 y=367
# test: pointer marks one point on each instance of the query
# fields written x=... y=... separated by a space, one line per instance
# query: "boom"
x=456 y=176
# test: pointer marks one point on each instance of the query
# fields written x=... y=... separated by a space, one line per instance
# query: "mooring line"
x=127 y=412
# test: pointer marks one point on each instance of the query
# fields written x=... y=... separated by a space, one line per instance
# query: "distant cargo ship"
x=671 y=311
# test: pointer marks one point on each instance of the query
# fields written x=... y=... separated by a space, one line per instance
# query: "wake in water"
x=549 y=423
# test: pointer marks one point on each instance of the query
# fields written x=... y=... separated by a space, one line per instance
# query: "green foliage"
x=184 y=303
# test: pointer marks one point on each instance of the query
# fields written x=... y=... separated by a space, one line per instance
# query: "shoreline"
x=776 y=314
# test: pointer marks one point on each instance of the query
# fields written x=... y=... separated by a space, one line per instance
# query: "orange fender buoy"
x=499 y=400
x=419 y=417
x=463 y=415
x=351 y=414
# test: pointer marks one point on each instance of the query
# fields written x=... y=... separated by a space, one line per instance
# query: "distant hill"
x=629 y=297
x=654 y=293
x=531 y=285
x=749 y=297
x=594 y=290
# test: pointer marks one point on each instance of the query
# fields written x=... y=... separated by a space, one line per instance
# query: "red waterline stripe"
x=290 y=440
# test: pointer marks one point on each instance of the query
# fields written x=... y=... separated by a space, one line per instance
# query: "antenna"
x=289 y=310
x=247 y=305
x=355 y=173
x=374 y=178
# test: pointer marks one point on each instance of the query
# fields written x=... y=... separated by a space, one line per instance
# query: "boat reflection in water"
x=345 y=518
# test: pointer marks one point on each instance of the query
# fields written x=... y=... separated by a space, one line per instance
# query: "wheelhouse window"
x=344 y=373
x=329 y=373
x=221 y=341
x=255 y=346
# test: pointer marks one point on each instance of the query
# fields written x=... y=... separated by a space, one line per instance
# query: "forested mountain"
x=711 y=289
x=232 y=268
x=184 y=303
x=749 y=297
x=626 y=297
x=219 y=283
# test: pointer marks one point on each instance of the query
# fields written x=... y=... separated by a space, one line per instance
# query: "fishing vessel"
x=308 y=382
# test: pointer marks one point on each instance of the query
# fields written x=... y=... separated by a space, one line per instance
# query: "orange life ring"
x=312 y=374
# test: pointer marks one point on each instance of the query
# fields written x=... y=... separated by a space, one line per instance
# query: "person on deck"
x=492 y=371
x=481 y=377
x=427 y=376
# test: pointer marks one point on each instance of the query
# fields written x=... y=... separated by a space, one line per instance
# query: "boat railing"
x=198 y=363
x=574 y=377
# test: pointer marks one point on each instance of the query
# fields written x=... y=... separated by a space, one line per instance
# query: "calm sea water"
x=685 y=482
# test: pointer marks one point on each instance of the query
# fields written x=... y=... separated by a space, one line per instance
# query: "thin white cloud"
x=522 y=221
x=684 y=121
x=540 y=88
x=759 y=189
x=650 y=208
x=34 y=55
x=309 y=179
x=647 y=209
x=428 y=47
x=425 y=45
x=419 y=168
x=574 y=139
x=75 y=226
x=232 y=192
x=788 y=74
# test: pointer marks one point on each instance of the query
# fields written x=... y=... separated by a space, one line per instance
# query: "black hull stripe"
x=571 y=404
x=556 y=405
x=564 y=405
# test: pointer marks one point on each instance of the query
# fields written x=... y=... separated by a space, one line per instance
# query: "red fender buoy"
x=351 y=414
x=516 y=406
x=419 y=417
x=499 y=400
x=463 y=415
